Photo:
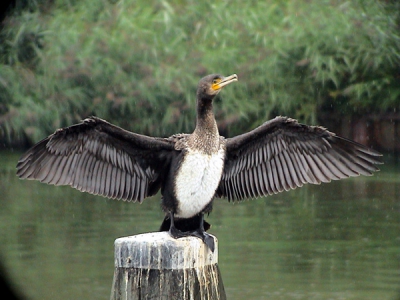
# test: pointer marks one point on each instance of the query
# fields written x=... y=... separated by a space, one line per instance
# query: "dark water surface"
x=335 y=241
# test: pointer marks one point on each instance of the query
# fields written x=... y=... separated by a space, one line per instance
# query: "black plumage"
x=282 y=154
x=102 y=159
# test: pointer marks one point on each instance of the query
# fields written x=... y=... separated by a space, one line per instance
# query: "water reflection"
x=336 y=241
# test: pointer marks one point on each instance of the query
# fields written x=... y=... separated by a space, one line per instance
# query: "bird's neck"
x=205 y=121
x=206 y=135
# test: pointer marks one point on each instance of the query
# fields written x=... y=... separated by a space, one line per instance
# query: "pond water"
x=334 y=241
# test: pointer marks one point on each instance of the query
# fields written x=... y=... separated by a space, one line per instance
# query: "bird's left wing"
x=99 y=158
x=282 y=154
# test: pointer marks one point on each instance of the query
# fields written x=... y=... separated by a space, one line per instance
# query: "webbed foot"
x=205 y=237
x=199 y=233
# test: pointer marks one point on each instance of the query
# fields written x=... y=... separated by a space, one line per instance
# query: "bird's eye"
x=216 y=81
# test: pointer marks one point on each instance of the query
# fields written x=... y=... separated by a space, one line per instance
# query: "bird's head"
x=210 y=85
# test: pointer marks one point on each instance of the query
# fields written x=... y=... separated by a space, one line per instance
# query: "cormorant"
x=191 y=169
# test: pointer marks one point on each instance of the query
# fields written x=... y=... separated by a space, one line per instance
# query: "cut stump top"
x=158 y=250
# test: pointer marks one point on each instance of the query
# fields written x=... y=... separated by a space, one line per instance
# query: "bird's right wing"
x=282 y=154
x=99 y=158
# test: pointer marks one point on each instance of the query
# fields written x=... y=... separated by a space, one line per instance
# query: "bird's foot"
x=176 y=233
x=201 y=234
x=205 y=237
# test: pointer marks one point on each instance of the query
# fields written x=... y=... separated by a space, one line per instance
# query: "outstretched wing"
x=99 y=158
x=282 y=154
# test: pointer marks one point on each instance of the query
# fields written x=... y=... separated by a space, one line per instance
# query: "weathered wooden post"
x=157 y=266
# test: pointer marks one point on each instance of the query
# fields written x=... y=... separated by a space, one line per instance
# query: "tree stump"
x=157 y=266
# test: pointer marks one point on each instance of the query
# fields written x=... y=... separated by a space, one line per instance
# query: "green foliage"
x=137 y=63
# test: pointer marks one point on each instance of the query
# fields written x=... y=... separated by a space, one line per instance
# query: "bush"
x=137 y=63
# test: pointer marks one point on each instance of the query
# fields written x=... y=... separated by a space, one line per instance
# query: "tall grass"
x=137 y=63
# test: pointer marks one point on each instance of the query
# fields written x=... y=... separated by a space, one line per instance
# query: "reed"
x=137 y=63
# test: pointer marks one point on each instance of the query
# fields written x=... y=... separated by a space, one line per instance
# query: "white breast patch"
x=197 y=180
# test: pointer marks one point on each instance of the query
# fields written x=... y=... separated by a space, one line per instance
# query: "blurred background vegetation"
x=137 y=63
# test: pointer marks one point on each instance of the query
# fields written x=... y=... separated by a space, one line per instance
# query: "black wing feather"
x=282 y=154
x=99 y=158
